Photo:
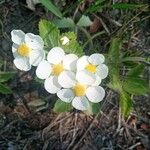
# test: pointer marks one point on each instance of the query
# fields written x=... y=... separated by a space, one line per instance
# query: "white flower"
x=27 y=49
x=93 y=66
x=78 y=93
x=56 y=65
x=64 y=40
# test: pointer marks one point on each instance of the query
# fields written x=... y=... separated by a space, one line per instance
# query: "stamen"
x=79 y=89
x=57 y=69
x=24 y=50
x=91 y=68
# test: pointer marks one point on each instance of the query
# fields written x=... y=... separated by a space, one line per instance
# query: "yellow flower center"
x=79 y=89
x=91 y=68
x=57 y=69
x=24 y=50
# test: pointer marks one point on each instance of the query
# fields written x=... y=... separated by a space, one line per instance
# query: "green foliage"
x=96 y=7
x=40 y=81
x=49 y=33
x=84 y=21
x=61 y=106
x=133 y=84
x=128 y=6
x=94 y=108
x=136 y=71
x=73 y=46
x=136 y=86
x=4 y=89
x=125 y=103
x=4 y=77
x=51 y=36
x=64 y=23
x=115 y=83
x=114 y=63
x=51 y=7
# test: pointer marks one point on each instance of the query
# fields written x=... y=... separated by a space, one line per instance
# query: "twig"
x=90 y=126
x=119 y=120
x=74 y=131
x=112 y=20
x=53 y=124
x=103 y=23
x=135 y=145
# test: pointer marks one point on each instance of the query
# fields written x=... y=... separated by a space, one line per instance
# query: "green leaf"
x=61 y=106
x=73 y=46
x=96 y=7
x=4 y=89
x=125 y=103
x=5 y=76
x=49 y=33
x=51 y=7
x=113 y=62
x=128 y=6
x=84 y=21
x=136 y=86
x=40 y=81
x=114 y=50
x=94 y=108
x=64 y=23
x=136 y=71
x=115 y=85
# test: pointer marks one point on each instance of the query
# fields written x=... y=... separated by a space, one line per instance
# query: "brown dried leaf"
x=144 y=126
x=95 y=25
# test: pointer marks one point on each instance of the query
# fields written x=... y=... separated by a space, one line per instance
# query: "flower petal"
x=14 y=47
x=17 y=36
x=67 y=79
x=95 y=94
x=64 y=40
x=36 y=56
x=98 y=81
x=51 y=85
x=14 y=50
x=66 y=95
x=43 y=70
x=102 y=71
x=80 y=103
x=69 y=62
x=55 y=55
x=96 y=59
x=85 y=77
x=22 y=63
x=82 y=63
x=34 y=41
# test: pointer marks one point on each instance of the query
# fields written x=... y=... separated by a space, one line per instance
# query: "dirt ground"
x=23 y=128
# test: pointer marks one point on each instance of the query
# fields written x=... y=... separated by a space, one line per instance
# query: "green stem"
x=93 y=37
x=87 y=35
x=140 y=59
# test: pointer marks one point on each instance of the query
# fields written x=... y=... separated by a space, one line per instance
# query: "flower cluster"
x=74 y=80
